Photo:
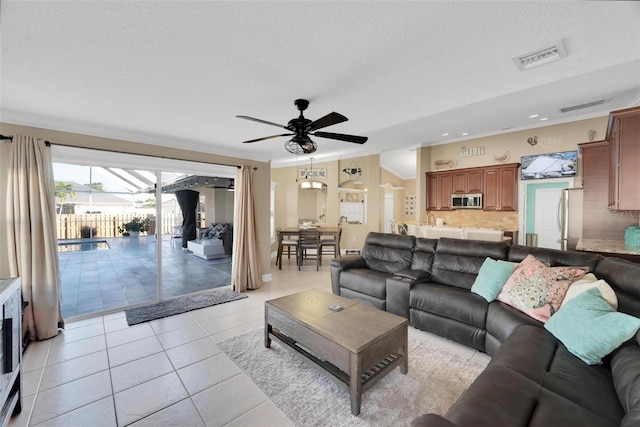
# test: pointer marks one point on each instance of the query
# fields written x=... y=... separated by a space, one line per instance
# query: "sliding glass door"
x=130 y=236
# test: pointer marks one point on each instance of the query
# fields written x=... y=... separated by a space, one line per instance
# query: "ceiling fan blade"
x=342 y=137
x=328 y=120
x=253 y=119
x=266 y=137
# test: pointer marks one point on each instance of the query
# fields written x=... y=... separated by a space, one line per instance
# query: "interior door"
x=547 y=226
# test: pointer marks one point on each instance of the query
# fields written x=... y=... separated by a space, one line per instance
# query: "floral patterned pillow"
x=537 y=289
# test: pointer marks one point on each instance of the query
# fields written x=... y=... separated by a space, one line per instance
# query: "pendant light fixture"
x=309 y=183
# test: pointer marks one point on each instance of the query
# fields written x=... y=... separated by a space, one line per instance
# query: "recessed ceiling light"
x=544 y=118
x=445 y=134
x=533 y=116
x=465 y=134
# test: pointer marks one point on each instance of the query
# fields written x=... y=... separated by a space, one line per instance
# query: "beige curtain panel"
x=31 y=239
x=246 y=272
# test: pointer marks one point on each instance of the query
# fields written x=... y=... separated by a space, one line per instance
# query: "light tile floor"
x=168 y=372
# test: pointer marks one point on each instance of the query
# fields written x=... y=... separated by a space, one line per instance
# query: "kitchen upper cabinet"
x=498 y=185
x=501 y=187
x=439 y=190
x=467 y=181
x=623 y=135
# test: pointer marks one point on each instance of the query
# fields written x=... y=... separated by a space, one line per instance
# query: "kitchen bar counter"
x=609 y=248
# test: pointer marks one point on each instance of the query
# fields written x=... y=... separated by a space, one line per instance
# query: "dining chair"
x=308 y=240
x=331 y=245
x=287 y=242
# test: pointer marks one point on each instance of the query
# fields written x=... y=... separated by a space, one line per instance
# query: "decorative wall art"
x=445 y=164
x=545 y=141
x=409 y=205
x=502 y=158
x=352 y=197
x=312 y=173
x=471 y=151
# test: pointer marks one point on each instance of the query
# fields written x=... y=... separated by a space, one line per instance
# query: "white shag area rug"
x=436 y=379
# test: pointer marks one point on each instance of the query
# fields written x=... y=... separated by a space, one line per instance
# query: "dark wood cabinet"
x=439 y=190
x=475 y=181
x=623 y=136
x=598 y=222
x=501 y=187
x=467 y=181
x=498 y=184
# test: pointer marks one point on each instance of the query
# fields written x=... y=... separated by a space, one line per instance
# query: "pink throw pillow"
x=537 y=289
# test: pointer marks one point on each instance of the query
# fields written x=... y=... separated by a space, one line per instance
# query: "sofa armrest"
x=398 y=290
x=348 y=262
x=338 y=265
x=431 y=420
x=416 y=276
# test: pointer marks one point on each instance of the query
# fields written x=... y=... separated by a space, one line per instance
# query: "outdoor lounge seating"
x=222 y=231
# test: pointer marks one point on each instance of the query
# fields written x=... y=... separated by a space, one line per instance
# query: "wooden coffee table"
x=355 y=347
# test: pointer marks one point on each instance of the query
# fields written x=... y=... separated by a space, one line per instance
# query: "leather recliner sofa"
x=532 y=379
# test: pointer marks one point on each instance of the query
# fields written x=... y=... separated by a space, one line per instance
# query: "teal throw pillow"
x=492 y=277
x=590 y=328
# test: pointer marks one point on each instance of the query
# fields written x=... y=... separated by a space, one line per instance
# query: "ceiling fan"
x=301 y=128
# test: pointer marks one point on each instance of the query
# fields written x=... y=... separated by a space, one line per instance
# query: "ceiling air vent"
x=541 y=56
x=585 y=105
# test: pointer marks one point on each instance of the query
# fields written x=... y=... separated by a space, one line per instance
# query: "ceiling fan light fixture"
x=294 y=147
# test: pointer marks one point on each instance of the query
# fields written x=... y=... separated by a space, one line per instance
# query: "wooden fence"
x=71 y=226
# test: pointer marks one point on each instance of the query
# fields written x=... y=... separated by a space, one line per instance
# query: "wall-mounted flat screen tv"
x=550 y=165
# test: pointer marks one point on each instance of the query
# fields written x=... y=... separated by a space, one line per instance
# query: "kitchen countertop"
x=606 y=246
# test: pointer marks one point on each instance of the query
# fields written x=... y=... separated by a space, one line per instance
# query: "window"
x=272 y=214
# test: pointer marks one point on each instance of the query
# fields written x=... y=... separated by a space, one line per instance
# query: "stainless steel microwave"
x=466 y=201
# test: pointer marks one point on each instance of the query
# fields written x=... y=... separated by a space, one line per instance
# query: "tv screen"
x=551 y=165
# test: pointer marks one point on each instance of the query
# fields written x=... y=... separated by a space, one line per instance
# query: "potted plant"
x=134 y=227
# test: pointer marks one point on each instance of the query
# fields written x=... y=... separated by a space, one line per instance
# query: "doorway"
x=540 y=216
x=107 y=266
x=388 y=211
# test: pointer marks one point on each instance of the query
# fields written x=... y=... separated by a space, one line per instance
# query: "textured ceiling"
x=176 y=73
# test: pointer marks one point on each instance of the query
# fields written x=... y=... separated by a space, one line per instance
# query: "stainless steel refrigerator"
x=570 y=211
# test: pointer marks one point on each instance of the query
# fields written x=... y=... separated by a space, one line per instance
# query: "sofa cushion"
x=622 y=276
x=502 y=320
x=423 y=254
x=501 y=396
x=458 y=261
x=555 y=257
x=492 y=277
x=538 y=290
x=625 y=369
x=540 y=357
x=451 y=302
x=590 y=328
x=388 y=253
x=589 y=281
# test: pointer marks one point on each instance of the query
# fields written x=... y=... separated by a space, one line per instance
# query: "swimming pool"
x=83 y=246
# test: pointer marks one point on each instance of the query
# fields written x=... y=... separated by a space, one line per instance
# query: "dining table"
x=324 y=231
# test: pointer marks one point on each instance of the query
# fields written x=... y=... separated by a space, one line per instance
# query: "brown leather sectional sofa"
x=532 y=379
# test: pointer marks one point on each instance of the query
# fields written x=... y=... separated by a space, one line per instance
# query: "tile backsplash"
x=475 y=218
